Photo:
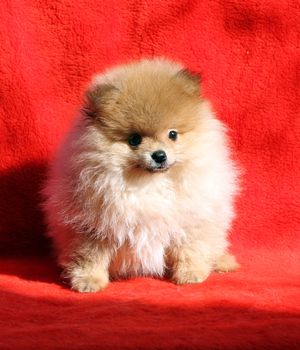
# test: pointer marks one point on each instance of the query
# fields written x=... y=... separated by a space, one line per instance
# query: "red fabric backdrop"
x=247 y=52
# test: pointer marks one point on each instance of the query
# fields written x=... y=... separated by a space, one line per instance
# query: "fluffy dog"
x=143 y=184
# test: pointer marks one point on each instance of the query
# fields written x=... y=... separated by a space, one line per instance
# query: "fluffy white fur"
x=107 y=221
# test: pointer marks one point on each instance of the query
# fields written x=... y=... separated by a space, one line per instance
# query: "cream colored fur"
x=108 y=216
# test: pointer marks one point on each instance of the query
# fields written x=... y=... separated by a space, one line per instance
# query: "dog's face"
x=149 y=119
x=156 y=152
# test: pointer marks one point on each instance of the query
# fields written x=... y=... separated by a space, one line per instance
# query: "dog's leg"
x=87 y=270
x=199 y=254
x=189 y=265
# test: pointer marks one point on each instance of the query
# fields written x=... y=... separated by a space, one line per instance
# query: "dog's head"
x=148 y=112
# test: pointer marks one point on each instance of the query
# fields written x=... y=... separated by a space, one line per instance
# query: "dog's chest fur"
x=144 y=221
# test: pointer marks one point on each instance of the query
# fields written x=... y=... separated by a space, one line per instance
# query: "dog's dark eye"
x=173 y=135
x=135 y=140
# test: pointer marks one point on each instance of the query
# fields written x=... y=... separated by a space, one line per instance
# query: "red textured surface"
x=247 y=52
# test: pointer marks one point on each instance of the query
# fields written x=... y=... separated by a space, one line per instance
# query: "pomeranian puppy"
x=143 y=184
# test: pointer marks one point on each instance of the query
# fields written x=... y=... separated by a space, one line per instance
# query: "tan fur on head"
x=148 y=99
x=143 y=182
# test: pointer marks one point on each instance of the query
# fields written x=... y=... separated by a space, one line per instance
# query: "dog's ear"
x=98 y=98
x=191 y=81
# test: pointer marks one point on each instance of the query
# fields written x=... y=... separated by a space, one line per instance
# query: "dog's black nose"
x=159 y=156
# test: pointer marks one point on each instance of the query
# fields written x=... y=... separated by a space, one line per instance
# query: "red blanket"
x=247 y=53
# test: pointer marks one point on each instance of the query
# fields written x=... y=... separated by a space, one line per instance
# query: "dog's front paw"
x=88 y=284
x=191 y=275
x=86 y=281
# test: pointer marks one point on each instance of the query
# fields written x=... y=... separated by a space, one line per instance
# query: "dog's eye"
x=135 y=140
x=173 y=135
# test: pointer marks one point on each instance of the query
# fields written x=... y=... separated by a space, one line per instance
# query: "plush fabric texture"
x=248 y=56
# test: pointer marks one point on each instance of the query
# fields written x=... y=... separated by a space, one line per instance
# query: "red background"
x=247 y=53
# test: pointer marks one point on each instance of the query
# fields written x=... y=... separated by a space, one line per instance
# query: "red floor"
x=256 y=308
